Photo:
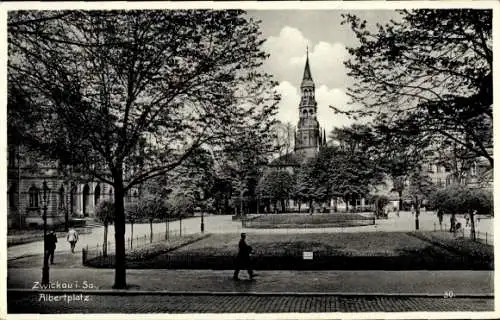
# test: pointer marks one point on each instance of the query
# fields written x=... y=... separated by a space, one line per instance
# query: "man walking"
x=72 y=238
x=243 y=258
x=50 y=245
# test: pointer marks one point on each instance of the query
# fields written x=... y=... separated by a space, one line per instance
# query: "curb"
x=123 y=292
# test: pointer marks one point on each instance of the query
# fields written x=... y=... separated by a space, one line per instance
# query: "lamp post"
x=200 y=198
x=45 y=269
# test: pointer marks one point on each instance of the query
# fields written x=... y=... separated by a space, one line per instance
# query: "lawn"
x=332 y=251
x=342 y=244
x=309 y=221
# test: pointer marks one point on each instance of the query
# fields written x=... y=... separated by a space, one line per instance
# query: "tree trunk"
x=299 y=203
x=105 y=243
x=346 y=199
x=417 y=213
x=283 y=206
x=120 y=269
x=400 y=204
x=131 y=233
x=166 y=229
x=150 y=230
x=241 y=203
x=335 y=204
x=311 y=209
x=472 y=226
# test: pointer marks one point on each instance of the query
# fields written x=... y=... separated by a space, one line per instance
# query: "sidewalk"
x=161 y=281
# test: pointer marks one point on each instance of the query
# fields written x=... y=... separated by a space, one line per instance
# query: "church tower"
x=308 y=137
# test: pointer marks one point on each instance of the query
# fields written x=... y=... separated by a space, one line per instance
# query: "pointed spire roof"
x=307 y=78
x=307 y=70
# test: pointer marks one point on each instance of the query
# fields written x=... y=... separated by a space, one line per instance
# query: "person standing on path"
x=467 y=219
x=440 y=218
x=50 y=245
x=72 y=238
x=243 y=258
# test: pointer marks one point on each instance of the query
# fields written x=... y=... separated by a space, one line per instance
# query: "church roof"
x=289 y=159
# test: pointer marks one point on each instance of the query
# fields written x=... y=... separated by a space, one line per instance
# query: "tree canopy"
x=127 y=96
x=427 y=75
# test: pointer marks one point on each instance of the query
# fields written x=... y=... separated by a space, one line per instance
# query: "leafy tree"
x=243 y=161
x=427 y=75
x=283 y=137
x=350 y=166
x=126 y=96
x=304 y=190
x=133 y=213
x=420 y=188
x=460 y=199
x=105 y=214
x=278 y=186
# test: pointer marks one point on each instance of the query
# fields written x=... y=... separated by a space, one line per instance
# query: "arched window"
x=72 y=197
x=12 y=196
x=97 y=194
x=33 y=197
x=86 y=196
x=473 y=169
x=61 y=197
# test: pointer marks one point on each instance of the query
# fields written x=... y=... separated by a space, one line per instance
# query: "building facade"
x=66 y=197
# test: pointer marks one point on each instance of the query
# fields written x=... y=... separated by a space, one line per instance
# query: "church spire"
x=307 y=70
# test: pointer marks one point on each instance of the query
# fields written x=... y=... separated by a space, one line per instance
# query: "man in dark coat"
x=243 y=258
x=51 y=241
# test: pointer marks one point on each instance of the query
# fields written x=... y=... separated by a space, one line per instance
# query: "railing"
x=274 y=221
x=483 y=237
x=92 y=252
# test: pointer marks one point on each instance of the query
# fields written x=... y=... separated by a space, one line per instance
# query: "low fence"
x=483 y=237
x=131 y=243
x=307 y=221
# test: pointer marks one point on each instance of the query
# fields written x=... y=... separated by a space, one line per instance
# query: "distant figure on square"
x=440 y=218
x=243 y=258
x=467 y=219
x=453 y=221
x=72 y=238
x=50 y=245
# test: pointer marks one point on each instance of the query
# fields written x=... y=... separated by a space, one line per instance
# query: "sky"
x=288 y=33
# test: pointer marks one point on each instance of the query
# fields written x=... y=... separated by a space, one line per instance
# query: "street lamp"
x=200 y=197
x=45 y=269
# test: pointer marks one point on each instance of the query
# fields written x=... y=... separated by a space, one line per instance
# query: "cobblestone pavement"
x=33 y=303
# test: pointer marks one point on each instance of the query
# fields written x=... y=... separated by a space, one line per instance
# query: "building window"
x=33 y=197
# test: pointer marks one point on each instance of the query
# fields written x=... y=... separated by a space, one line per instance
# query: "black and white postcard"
x=247 y=160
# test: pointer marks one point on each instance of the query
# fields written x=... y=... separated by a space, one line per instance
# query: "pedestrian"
x=72 y=238
x=440 y=218
x=452 y=223
x=467 y=219
x=50 y=245
x=412 y=210
x=243 y=258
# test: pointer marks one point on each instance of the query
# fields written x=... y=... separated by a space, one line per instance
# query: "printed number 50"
x=449 y=294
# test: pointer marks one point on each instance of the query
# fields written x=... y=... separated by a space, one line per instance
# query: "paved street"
x=479 y=283
x=33 y=303
x=224 y=224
